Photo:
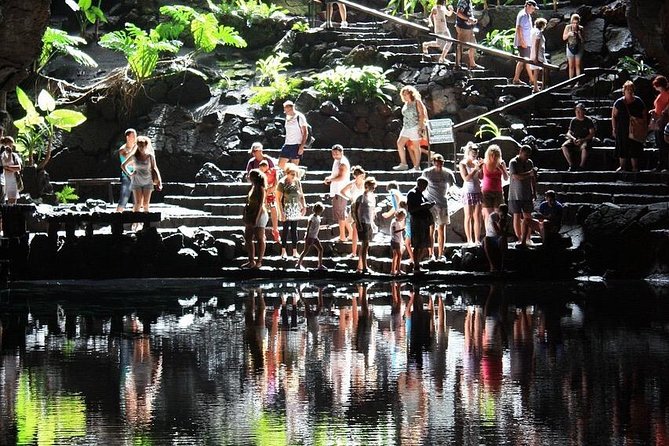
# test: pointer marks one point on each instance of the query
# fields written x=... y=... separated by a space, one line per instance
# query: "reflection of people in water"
x=140 y=379
x=254 y=317
x=362 y=321
x=311 y=314
x=493 y=340
x=419 y=327
x=438 y=356
x=522 y=349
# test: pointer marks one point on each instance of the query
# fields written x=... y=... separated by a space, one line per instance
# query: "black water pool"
x=326 y=363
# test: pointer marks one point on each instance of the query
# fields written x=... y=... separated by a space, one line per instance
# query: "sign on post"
x=441 y=131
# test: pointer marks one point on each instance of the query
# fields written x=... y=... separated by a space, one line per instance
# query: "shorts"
x=338 y=208
x=395 y=246
x=466 y=35
x=442 y=42
x=289 y=151
x=270 y=200
x=525 y=52
x=262 y=221
x=571 y=145
x=440 y=215
x=492 y=199
x=420 y=233
x=365 y=232
x=520 y=206
x=576 y=55
x=410 y=133
x=472 y=199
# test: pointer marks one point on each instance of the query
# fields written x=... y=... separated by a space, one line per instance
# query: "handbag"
x=638 y=131
x=18 y=176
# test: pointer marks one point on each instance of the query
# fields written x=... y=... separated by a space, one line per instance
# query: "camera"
x=4 y=148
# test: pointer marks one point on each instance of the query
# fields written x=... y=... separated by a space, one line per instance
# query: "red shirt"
x=661 y=102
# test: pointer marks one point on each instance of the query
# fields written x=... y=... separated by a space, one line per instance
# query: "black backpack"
x=310 y=134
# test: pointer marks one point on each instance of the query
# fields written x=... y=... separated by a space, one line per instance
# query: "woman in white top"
x=351 y=192
x=470 y=171
x=437 y=21
x=11 y=163
x=538 y=49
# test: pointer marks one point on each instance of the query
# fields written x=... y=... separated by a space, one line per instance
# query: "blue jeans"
x=125 y=191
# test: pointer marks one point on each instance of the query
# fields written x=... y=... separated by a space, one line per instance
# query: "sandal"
x=248 y=264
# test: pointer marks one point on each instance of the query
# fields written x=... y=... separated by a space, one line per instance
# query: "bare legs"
x=473 y=223
x=251 y=232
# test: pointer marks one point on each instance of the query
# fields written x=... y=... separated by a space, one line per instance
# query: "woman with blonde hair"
x=11 y=164
x=625 y=109
x=255 y=218
x=493 y=169
x=414 y=116
x=471 y=168
x=573 y=35
x=142 y=177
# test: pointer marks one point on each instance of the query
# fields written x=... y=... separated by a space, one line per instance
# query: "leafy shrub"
x=500 y=39
x=634 y=67
x=251 y=11
x=57 y=42
x=207 y=33
x=354 y=84
x=408 y=7
x=489 y=127
x=301 y=27
x=271 y=67
x=38 y=127
x=281 y=88
x=67 y=195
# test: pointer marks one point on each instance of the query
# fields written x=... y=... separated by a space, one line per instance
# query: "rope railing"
x=424 y=29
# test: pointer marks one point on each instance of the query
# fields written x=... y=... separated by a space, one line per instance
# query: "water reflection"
x=327 y=363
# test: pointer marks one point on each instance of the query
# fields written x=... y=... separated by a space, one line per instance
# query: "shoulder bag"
x=18 y=176
x=638 y=131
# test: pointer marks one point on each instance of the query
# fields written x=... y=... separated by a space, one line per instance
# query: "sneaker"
x=401 y=167
x=344 y=24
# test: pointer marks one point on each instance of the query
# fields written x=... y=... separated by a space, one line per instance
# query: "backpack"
x=310 y=134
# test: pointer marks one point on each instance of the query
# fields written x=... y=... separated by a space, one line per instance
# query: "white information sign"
x=441 y=131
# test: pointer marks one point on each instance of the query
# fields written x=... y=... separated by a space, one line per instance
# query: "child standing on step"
x=311 y=239
x=538 y=50
x=397 y=228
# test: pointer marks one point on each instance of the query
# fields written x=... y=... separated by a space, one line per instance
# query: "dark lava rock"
x=210 y=173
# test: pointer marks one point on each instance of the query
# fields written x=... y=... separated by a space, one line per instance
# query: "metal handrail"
x=426 y=30
x=588 y=72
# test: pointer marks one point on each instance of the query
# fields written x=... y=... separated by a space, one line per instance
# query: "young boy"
x=397 y=228
x=495 y=243
x=311 y=238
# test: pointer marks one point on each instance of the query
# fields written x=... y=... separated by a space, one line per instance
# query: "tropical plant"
x=38 y=127
x=301 y=27
x=280 y=88
x=141 y=49
x=271 y=67
x=501 y=39
x=634 y=67
x=354 y=84
x=86 y=13
x=205 y=29
x=251 y=11
x=67 y=195
x=56 y=42
x=408 y=7
x=489 y=127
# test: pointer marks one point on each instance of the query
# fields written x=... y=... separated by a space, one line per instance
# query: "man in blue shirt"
x=549 y=221
x=523 y=39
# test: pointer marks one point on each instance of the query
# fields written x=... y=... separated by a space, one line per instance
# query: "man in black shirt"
x=579 y=137
x=421 y=220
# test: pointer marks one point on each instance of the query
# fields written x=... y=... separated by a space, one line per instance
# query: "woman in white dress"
x=11 y=163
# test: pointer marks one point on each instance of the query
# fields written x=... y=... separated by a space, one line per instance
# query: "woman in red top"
x=494 y=170
x=660 y=114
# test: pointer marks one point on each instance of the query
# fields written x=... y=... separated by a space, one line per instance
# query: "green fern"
x=354 y=84
x=301 y=27
x=500 y=39
x=271 y=67
x=280 y=89
x=67 y=195
x=634 y=67
x=56 y=42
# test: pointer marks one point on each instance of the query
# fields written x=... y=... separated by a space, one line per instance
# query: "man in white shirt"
x=339 y=177
x=523 y=39
x=296 y=135
x=439 y=179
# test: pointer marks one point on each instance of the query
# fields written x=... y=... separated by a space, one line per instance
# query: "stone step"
x=401 y=58
x=618 y=187
x=568 y=112
x=609 y=176
x=487 y=83
x=518 y=91
x=599 y=158
x=378 y=41
x=308 y=186
x=615 y=198
x=409 y=48
x=602 y=122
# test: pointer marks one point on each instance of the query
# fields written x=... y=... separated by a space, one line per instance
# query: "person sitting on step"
x=548 y=221
x=579 y=137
